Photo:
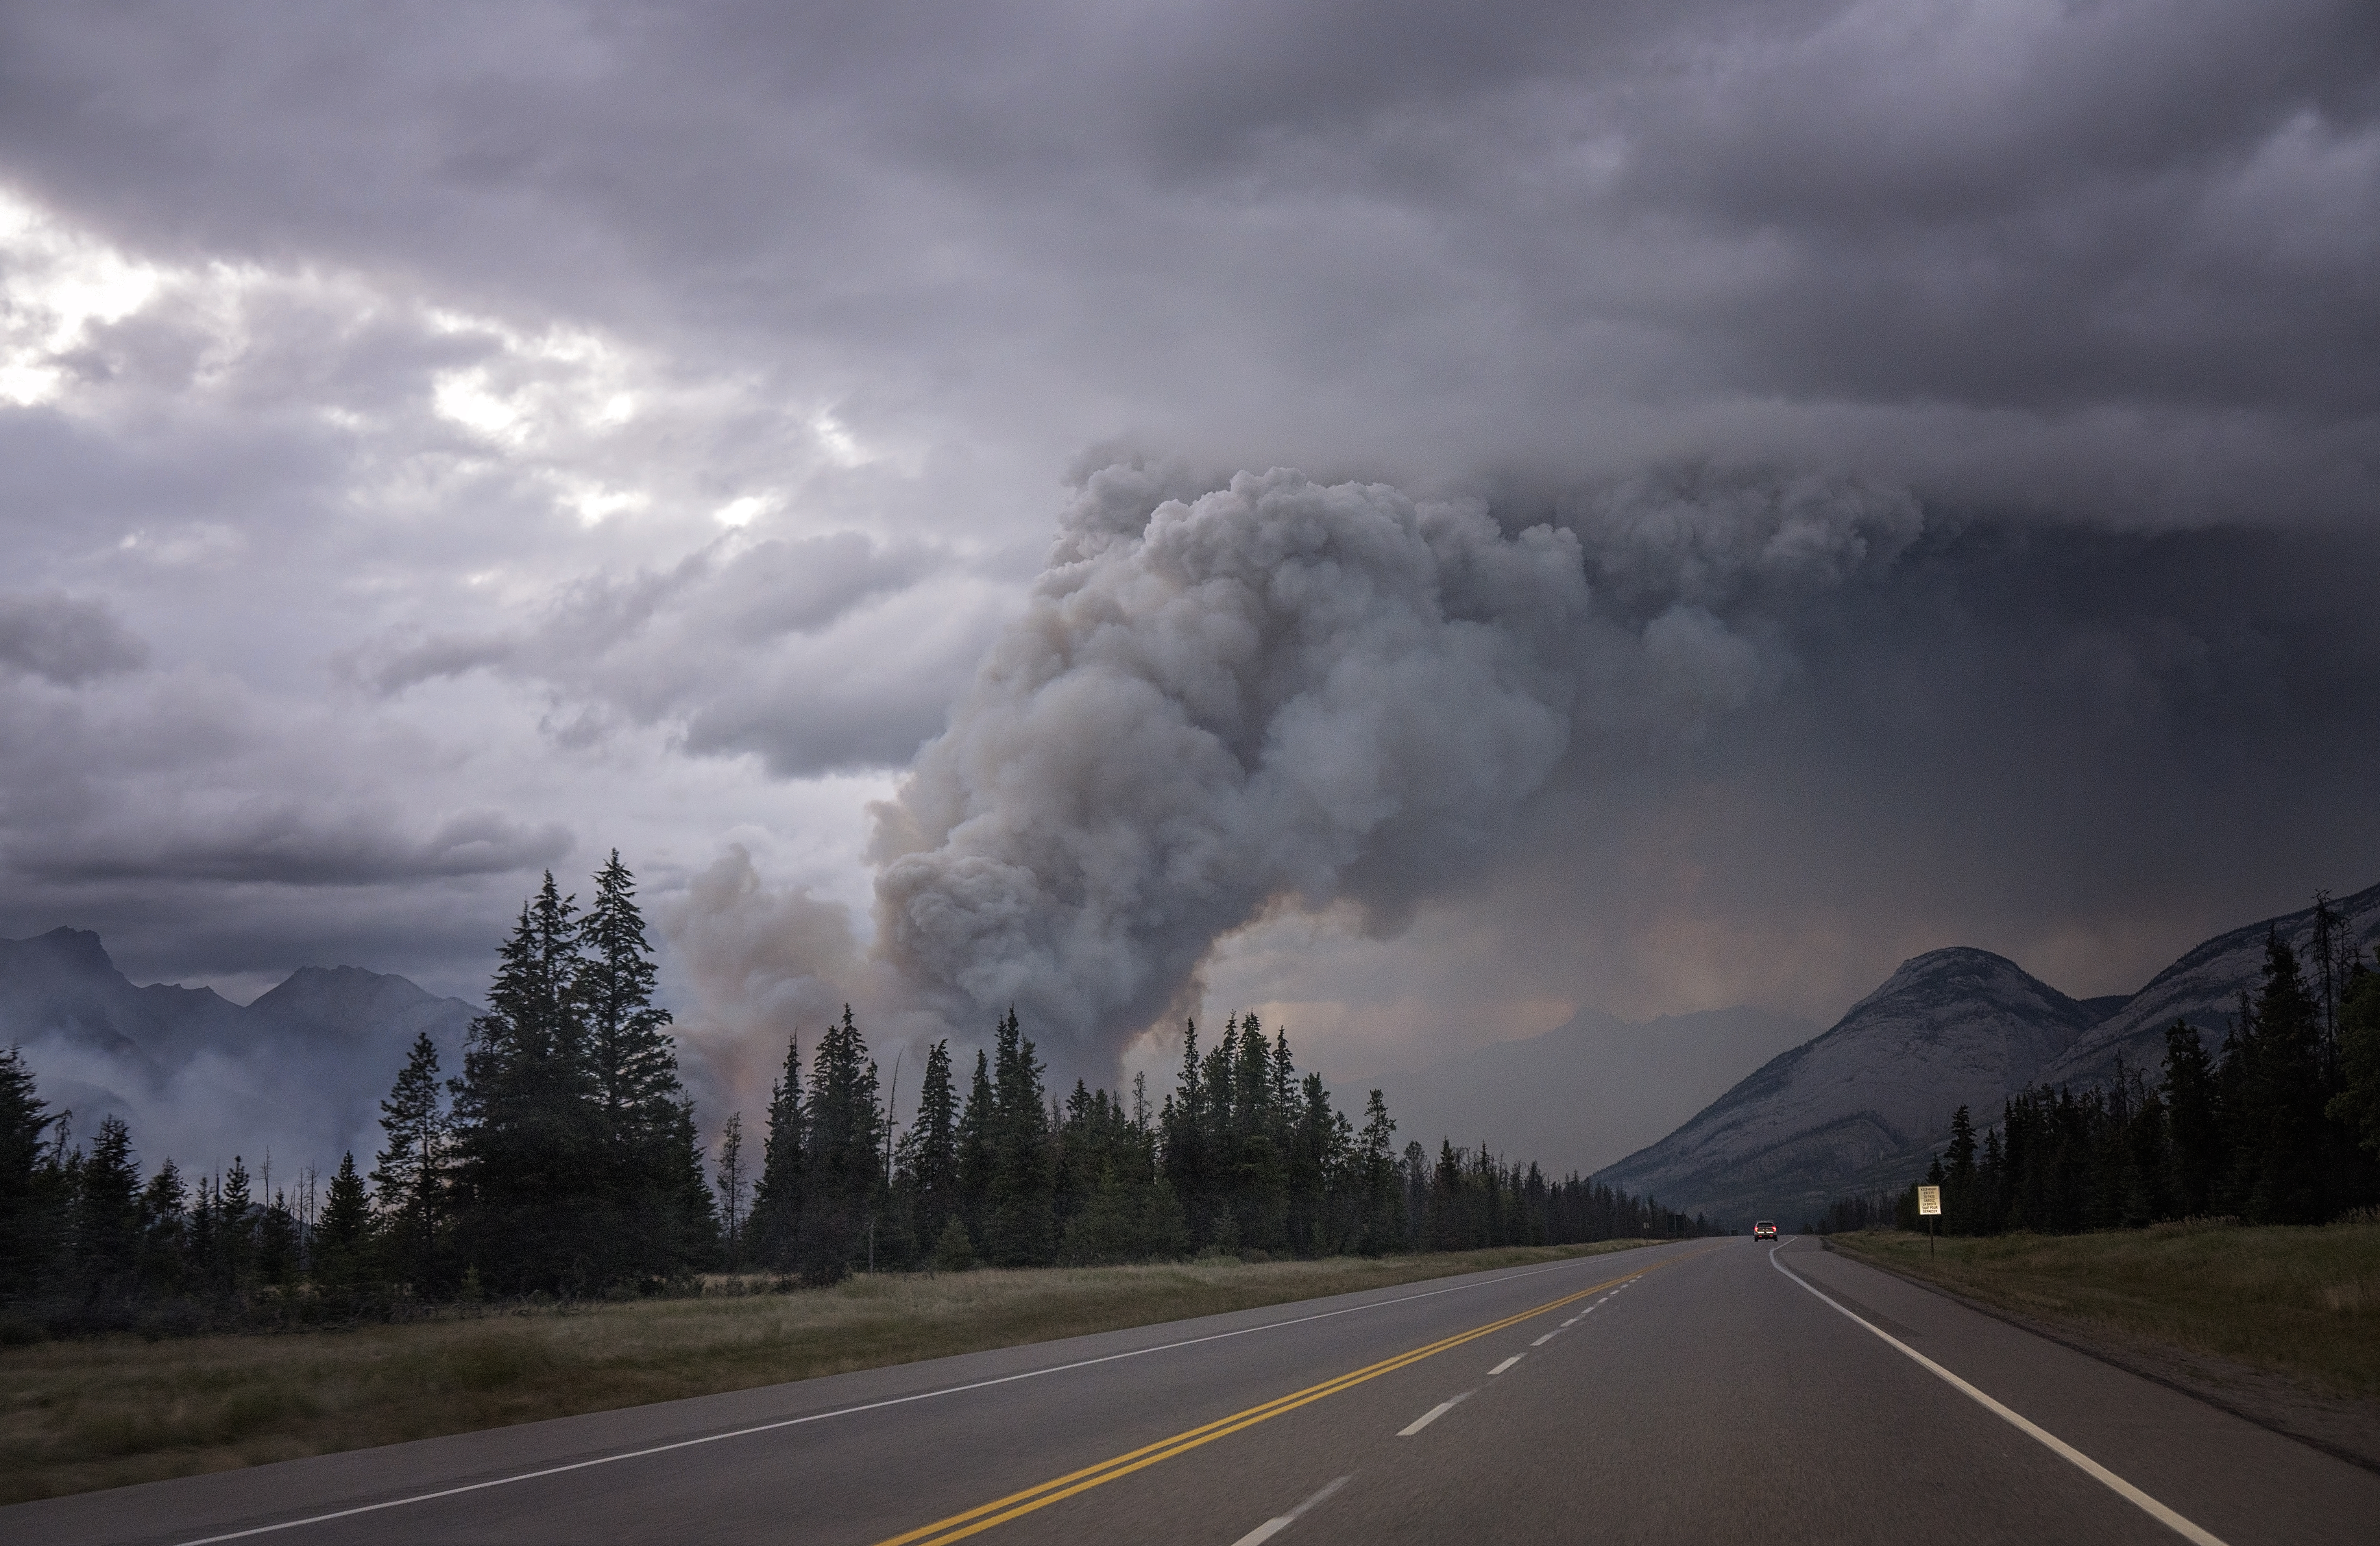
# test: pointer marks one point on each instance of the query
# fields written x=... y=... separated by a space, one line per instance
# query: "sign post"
x=1929 y=1208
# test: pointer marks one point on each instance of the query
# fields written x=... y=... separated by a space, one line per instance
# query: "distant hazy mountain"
x=299 y=1072
x=1581 y=1095
x=1865 y=1105
x=2203 y=988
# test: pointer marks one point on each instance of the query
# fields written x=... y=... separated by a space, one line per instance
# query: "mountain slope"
x=1585 y=1094
x=1857 y=1106
x=299 y=1074
x=2203 y=988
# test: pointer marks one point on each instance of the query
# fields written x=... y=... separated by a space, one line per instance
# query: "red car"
x=1764 y=1230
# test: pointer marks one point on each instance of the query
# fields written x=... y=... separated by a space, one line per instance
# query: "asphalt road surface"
x=1702 y=1391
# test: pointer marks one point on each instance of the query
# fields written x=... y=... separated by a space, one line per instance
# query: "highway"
x=1705 y=1391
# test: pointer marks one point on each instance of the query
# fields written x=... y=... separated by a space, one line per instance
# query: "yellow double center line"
x=1001 y=1510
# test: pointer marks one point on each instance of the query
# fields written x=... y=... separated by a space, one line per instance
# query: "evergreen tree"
x=1022 y=1228
x=977 y=1157
x=929 y=1150
x=410 y=1178
x=1959 y=1209
x=1383 y=1198
x=277 y=1242
x=2356 y=1107
x=662 y=1213
x=529 y=1134
x=32 y=1207
x=733 y=1189
x=164 y=1232
x=773 y=1232
x=106 y=1218
x=843 y=1160
x=2278 y=1166
x=343 y=1241
x=235 y=1226
x=2193 y=1122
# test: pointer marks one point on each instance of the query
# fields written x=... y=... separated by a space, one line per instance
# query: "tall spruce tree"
x=343 y=1240
x=930 y=1151
x=529 y=1132
x=843 y=1194
x=410 y=1179
x=2357 y=1105
x=1022 y=1231
x=32 y=1205
x=977 y=1156
x=2196 y=1161
x=2277 y=1160
x=772 y=1233
x=164 y=1239
x=107 y=1216
x=663 y=1220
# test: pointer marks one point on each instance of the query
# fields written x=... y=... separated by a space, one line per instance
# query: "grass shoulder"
x=107 y=1412
x=2303 y=1303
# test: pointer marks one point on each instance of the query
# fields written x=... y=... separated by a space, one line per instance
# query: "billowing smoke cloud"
x=1285 y=693
x=1209 y=705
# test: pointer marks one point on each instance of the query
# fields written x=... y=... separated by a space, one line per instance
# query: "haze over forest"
x=1429 y=534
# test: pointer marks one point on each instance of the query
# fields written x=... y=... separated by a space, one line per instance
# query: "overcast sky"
x=1728 y=496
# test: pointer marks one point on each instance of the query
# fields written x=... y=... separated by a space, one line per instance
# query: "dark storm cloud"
x=64 y=639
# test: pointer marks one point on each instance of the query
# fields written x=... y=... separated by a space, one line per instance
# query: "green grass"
x=106 y=1412
x=2304 y=1302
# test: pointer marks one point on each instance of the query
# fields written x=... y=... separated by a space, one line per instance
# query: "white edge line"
x=1439 y=1411
x=1506 y=1364
x=1280 y=1522
x=876 y=1406
x=2082 y=1462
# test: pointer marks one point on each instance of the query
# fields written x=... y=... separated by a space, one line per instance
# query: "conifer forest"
x=2280 y=1124
x=564 y=1159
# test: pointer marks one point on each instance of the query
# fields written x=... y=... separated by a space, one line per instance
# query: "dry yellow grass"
x=2304 y=1302
x=80 y=1414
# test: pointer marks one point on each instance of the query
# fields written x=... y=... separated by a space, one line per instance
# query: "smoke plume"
x=1210 y=705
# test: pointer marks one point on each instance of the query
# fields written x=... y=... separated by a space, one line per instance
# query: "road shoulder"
x=2341 y=1427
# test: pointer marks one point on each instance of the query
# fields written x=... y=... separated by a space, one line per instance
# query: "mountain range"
x=1865 y=1105
x=299 y=1073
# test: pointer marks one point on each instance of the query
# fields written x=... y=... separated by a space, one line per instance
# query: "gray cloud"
x=64 y=639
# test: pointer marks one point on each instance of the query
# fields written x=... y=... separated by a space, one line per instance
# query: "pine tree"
x=529 y=1134
x=236 y=1225
x=2278 y=1171
x=733 y=1186
x=929 y=1150
x=410 y=1178
x=2357 y=1105
x=773 y=1232
x=1022 y=1230
x=33 y=1207
x=106 y=1219
x=843 y=1160
x=661 y=1206
x=1959 y=1177
x=1383 y=1198
x=976 y=1158
x=2193 y=1122
x=343 y=1241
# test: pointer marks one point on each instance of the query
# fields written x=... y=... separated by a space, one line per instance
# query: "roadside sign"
x=1929 y=1200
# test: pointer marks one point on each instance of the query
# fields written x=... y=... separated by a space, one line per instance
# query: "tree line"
x=564 y=1158
x=2280 y=1125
